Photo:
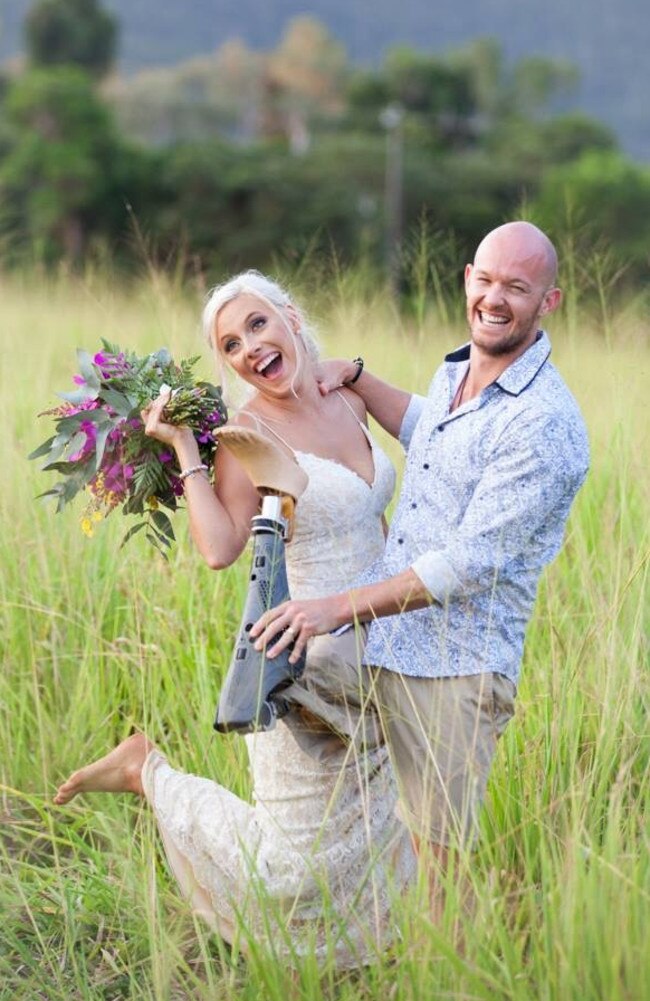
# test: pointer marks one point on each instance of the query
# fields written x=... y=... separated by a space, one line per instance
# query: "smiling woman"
x=323 y=829
x=251 y=302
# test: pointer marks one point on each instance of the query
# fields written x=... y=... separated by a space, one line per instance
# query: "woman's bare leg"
x=118 y=771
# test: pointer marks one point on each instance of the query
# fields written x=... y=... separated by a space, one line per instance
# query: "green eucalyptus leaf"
x=42 y=449
x=81 y=395
x=122 y=404
x=87 y=369
x=54 y=491
x=100 y=443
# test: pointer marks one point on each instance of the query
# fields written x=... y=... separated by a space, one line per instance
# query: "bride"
x=313 y=863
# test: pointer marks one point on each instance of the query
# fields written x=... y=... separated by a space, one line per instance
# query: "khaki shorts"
x=441 y=732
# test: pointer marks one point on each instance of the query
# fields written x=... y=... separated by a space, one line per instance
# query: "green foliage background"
x=247 y=157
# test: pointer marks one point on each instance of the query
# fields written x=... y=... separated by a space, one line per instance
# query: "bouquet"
x=99 y=444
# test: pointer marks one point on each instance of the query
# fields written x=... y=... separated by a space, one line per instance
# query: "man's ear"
x=551 y=301
x=468 y=274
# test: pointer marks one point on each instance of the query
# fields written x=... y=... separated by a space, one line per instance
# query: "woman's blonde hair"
x=273 y=296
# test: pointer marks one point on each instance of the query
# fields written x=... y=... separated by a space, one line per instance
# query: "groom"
x=495 y=455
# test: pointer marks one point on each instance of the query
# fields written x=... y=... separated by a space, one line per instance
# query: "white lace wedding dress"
x=321 y=837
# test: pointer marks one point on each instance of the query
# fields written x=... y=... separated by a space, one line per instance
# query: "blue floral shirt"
x=485 y=498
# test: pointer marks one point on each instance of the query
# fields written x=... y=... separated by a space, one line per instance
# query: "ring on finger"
x=291 y=630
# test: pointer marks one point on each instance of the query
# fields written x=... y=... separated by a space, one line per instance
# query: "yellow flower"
x=87 y=527
x=152 y=503
x=97 y=516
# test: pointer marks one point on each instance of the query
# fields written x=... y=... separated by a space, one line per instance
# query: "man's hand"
x=334 y=373
x=298 y=621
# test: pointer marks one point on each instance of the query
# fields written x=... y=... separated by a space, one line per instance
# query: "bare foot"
x=118 y=771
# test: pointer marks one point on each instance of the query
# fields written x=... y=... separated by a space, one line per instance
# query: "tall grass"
x=96 y=641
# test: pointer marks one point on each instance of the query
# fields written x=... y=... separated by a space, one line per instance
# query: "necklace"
x=458 y=395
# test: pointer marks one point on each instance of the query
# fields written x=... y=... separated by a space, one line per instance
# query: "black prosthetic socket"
x=251 y=696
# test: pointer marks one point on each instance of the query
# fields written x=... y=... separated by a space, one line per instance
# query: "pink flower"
x=116 y=478
x=78 y=380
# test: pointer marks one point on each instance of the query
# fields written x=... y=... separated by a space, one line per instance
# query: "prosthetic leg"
x=251 y=697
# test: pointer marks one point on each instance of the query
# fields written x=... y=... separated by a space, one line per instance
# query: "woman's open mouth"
x=270 y=366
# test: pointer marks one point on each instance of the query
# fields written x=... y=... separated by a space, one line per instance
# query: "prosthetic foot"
x=251 y=696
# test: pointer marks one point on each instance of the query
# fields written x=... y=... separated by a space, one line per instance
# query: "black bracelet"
x=359 y=363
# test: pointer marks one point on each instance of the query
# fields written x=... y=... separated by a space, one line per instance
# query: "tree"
x=304 y=81
x=58 y=169
x=436 y=97
x=606 y=198
x=71 y=32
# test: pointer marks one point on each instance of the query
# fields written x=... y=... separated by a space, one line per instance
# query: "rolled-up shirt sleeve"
x=532 y=477
x=410 y=419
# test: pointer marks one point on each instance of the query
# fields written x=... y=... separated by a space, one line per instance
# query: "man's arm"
x=300 y=620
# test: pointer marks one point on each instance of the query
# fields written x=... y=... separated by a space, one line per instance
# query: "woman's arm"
x=219 y=516
x=386 y=403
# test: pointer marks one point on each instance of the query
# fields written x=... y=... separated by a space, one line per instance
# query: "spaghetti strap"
x=258 y=420
x=355 y=415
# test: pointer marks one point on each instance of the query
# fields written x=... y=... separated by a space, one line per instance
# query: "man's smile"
x=492 y=319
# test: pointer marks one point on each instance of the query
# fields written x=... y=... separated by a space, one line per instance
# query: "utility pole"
x=391 y=118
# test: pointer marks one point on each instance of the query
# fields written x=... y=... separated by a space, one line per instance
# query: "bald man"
x=495 y=455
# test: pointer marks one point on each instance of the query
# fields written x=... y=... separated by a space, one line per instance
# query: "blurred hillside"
x=608 y=43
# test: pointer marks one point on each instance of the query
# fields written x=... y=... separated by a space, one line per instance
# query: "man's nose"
x=493 y=294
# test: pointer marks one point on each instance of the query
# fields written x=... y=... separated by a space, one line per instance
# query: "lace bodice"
x=338 y=529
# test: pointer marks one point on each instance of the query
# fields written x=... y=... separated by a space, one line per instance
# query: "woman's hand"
x=156 y=427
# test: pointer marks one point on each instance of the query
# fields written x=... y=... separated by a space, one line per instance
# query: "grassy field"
x=96 y=641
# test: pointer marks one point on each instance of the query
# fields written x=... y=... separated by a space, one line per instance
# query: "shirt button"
x=441 y=427
x=426 y=465
x=413 y=504
x=401 y=541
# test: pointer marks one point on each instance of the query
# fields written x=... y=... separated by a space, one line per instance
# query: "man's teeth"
x=264 y=364
x=494 y=320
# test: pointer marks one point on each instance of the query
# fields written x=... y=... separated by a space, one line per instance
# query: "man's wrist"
x=342 y=609
x=356 y=375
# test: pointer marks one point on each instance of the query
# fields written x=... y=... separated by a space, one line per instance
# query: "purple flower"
x=177 y=486
x=78 y=380
x=70 y=409
x=90 y=430
x=165 y=456
x=100 y=359
x=116 y=478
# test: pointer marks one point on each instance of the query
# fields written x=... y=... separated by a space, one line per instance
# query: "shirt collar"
x=523 y=370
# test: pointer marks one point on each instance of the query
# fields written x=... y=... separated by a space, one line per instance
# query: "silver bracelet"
x=192 y=470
